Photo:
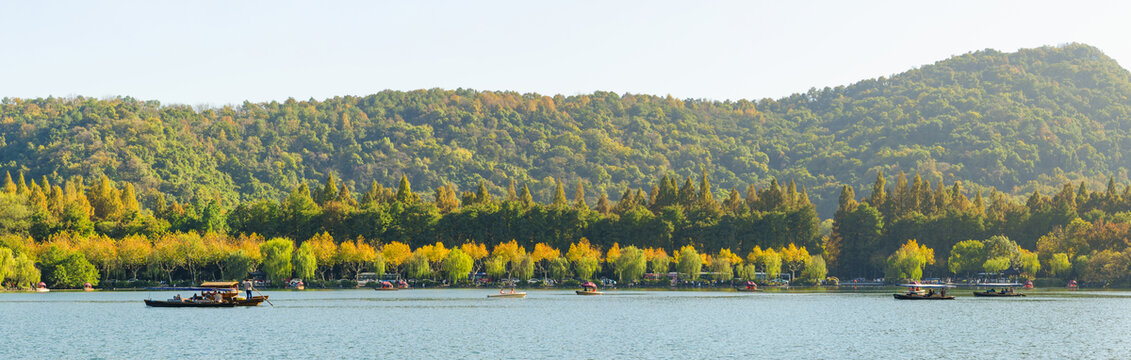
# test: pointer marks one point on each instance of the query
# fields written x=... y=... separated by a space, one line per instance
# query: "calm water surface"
x=445 y=324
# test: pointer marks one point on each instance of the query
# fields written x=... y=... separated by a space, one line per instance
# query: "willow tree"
x=457 y=265
x=304 y=261
x=689 y=263
x=630 y=265
x=277 y=254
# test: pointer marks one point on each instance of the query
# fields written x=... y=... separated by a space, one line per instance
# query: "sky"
x=215 y=53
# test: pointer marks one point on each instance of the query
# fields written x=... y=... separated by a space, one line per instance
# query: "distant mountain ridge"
x=1021 y=121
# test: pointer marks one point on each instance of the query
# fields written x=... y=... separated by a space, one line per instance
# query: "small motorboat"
x=42 y=287
x=916 y=291
x=504 y=295
x=87 y=287
x=589 y=288
x=750 y=286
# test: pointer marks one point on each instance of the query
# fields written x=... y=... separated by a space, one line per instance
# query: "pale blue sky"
x=220 y=52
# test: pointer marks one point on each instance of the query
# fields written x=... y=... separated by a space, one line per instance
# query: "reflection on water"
x=557 y=324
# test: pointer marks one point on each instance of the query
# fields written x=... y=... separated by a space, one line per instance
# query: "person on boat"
x=247 y=285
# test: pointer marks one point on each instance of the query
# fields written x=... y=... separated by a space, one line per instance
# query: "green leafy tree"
x=1059 y=265
x=908 y=261
x=418 y=267
x=304 y=262
x=630 y=265
x=457 y=265
x=559 y=268
x=722 y=268
x=815 y=270
x=277 y=254
x=996 y=265
x=238 y=265
x=966 y=257
x=497 y=267
x=73 y=272
x=689 y=263
x=523 y=269
x=584 y=267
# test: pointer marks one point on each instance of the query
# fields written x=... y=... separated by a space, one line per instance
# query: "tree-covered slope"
x=1015 y=121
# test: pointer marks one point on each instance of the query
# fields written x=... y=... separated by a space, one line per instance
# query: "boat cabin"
x=917 y=291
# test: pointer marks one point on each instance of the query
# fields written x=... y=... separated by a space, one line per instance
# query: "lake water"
x=449 y=324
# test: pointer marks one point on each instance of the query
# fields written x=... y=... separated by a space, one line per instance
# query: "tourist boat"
x=386 y=286
x=42 y=287
x=503 y=294
x=750 y=286
x=1006 y=291
x=1071 y=285
x=589 y=288
x=916 y=291
x=87 y=287
x=212 y=294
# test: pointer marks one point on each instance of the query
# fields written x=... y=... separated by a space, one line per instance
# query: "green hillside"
x=1018 y=122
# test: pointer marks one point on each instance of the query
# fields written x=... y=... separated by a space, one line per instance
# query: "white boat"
x=42 y=287
x=503 y=294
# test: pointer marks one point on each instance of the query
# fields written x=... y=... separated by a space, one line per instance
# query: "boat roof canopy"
x=220 y=284
x=935 y=286
x=998 y=284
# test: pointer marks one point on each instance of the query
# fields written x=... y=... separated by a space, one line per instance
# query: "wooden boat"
x=589 y=288
x=188 y=303
x=1006 y=291
x=213 y=294
x=253 y=301
x=916 y=291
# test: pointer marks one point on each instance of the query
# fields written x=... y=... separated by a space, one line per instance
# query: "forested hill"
x=1020 y=121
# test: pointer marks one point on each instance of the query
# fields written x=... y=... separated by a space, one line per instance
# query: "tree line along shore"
x=78 y=232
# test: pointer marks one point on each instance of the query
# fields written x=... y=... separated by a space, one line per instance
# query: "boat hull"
x=749 y=290
x=180 y=304
x=921 y=297
x=253 y=301
x=583 y=292
x=506 y=296
x=996 y=294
